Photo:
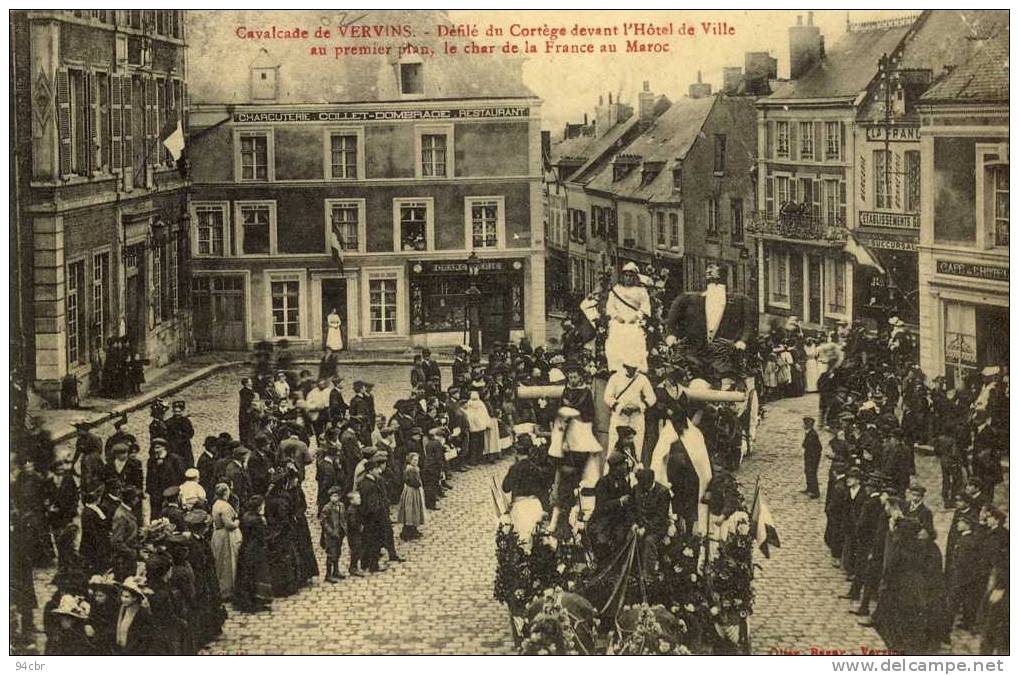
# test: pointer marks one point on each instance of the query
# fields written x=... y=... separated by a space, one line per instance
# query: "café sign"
x=973 y=270
x=489 y=266
x=268 y=117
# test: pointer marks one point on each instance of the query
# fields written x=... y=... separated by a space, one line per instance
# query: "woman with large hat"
x=132 y=632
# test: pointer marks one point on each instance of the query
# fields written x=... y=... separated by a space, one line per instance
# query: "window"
x=674 y=230
x=256 y=233
x=778 y=282
x=782 y=134
x=210 y=230
x=912 y=158
x=100 y=282
x=882 y=183
x=158 y=251
x=806 y=140
x=172 y=277
x=433 y=155
x=343 y=156
x=719 y=153
x=135 y=18
x=836 y=286
x=254 y=156
x=485 y=219
x=831 y=202
x=736 y=225
x=382 y=305
x=712 y=229
x=345 y=224
x=833 y=140
x=677 y=178
x=999 y=177
x=103 y=139
x=76 y=346
x=782 y=185
x=286 y=307
x=660 y=229
x=414 y=220
x=411 y=79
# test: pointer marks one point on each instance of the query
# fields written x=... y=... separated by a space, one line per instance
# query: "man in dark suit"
x=915 y=508
x=95 y=551
x=430 y=367
x=124 y=535
x=700 y=318
x=811 y=457
x=246 y=398
x=179 y=432
x=163 y=470
x=375 y=515
x=359 y=408
x=986 y=454
x=337 y=406
x=120 y=435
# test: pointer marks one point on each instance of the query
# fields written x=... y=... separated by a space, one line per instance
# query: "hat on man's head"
x=917 y=489
x=415 y=431
x=990 y=371
x=171 y=492
x=179 y=404
x=617 y=458
x=191 y=473
x=631 y=267
x=158 y=443
x=853 y=472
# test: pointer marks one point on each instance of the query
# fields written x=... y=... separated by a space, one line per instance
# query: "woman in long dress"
x=226 y=540
x=334 y=332
x=811 y=369
x=252 y=588
x=411 y=513
x=478 y=423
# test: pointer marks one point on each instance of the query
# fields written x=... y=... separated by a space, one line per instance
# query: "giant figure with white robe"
x=627 y=307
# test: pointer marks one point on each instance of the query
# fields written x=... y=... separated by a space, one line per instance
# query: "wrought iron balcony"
x=792 y=223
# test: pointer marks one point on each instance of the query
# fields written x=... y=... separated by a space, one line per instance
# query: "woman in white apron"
x=334 y=332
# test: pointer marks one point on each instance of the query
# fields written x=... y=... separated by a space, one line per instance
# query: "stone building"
x=964 y=215
x=363 y=184
x=102 y=215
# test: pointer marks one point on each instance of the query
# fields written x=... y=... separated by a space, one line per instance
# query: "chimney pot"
x=585 y=119
x=601 y=100
x=698 y=77
x=647 y=86
x=610 y=98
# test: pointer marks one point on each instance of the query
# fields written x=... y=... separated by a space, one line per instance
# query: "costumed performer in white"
x=334 y=334
x=627 y=307
x=628 y=394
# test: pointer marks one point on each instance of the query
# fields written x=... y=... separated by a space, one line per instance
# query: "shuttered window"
x=116 y=124
x=104 y=155
x=64 y=130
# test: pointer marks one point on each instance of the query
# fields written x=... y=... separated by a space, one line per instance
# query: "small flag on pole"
x=174 y=143
x=762 y=524
x=861 y=254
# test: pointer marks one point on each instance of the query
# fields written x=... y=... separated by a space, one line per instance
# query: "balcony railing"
x=793 y=224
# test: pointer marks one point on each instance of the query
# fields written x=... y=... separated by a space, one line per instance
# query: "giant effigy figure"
x=627 y=307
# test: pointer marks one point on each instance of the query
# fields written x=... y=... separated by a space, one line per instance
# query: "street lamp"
x=474 y=303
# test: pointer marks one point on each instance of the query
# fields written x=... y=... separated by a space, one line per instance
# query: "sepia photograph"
x=488 y=332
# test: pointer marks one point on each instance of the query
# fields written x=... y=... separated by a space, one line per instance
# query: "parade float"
x=687 y=590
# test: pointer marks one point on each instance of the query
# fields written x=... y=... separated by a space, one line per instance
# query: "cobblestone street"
x=440 y=600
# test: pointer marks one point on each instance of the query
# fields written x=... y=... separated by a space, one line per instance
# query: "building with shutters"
x=964 y=214
x=362 y=184
x=102 y=206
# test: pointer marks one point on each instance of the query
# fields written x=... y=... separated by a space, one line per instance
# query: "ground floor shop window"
x=778 y=279
x=75 y=329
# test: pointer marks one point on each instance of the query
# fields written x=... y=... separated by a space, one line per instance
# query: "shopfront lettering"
x=905 y=221
x=887 y=243
x=972 y=270
x=894 y=134
x=462 y=267
x=378 y=115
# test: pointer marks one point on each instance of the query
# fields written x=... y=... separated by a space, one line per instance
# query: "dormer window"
x=412 y=81
x=623 y=165
x=650 y=171
x=677 y=178
x=264 y=78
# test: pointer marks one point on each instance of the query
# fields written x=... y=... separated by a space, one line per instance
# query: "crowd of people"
x=881 y=411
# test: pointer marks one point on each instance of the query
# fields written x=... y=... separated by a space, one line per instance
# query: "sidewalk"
x=163 y=382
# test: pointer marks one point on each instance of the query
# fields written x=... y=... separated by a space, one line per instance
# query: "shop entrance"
x=992 y=335
x=494 y=310
x=334 y=296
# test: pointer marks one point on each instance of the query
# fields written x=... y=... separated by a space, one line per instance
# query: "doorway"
x=814 y=291
x=135 y=312
x=219 y=312
x=334 y=296
x=495 y=311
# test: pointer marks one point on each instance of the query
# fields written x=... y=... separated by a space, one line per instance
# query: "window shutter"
x=842 y=202
x=92 y=155
x=770 y=140
x=151 y=124
x=842 y=143
x=769 y=196
x=794 y=149
x=127 y=119
x=819 y=142
x=116 y=122
x=817 y=199
x=103 y=121
x=64 y=121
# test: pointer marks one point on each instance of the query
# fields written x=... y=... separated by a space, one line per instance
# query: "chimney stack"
x=805 y=46
x=699 y=89
x=646 y=105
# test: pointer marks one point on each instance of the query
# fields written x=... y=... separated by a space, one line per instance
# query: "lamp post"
x=474 y=303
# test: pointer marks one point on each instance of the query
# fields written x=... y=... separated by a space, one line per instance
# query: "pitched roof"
x=983 y=78
x=848 y=66
x=219 y=62
x=667 y=140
